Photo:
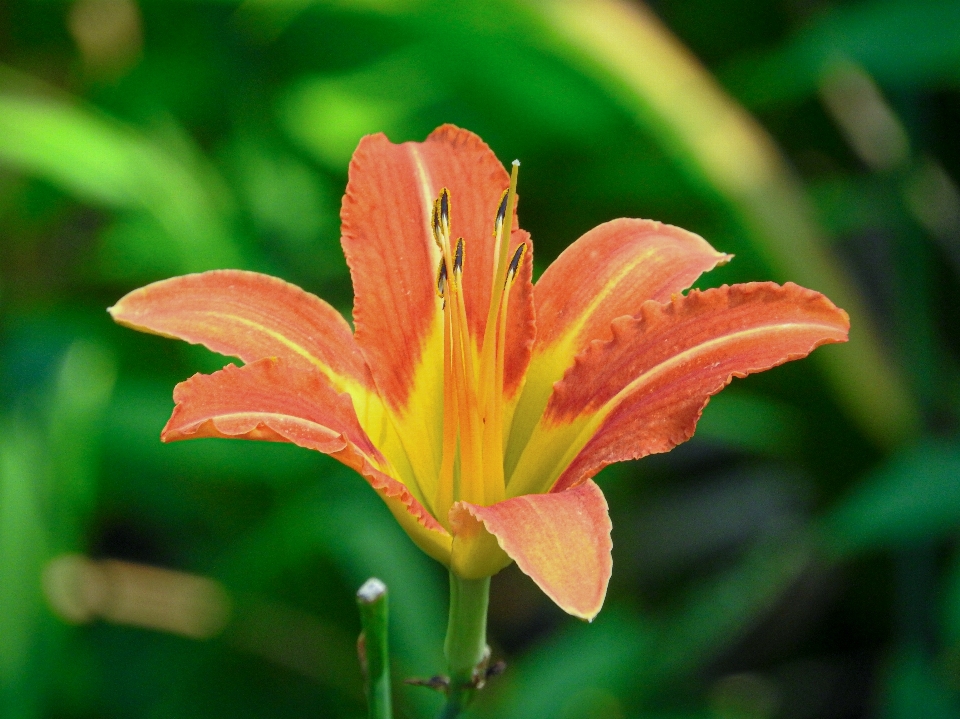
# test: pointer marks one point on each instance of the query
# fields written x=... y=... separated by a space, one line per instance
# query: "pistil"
x=503 y=226
x=493 y=348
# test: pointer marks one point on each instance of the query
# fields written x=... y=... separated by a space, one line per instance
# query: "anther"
x=458 y=258
x=442 y=280
x=444 y=202
x=515 y=263
x=501 y=213
x=435 y=225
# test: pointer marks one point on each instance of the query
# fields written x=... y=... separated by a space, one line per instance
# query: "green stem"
x=374 y=654
x=466 y=643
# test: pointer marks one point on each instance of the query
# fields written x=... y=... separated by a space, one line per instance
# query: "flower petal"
x=607 y=273
x=643 y=391
x=252 y=316
x=274 y=401
x=561 y=540
x=393 y=261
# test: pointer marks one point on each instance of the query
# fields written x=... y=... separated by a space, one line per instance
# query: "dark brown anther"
x=436 y=226
x=458 y=258
x=514 y=265
x=501 y=212
x=442 y=280
x=444 y=200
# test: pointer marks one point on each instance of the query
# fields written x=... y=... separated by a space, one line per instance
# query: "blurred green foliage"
x=798 y=558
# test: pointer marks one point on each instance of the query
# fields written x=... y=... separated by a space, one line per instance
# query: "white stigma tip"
x=516 y=163
x=371 y=590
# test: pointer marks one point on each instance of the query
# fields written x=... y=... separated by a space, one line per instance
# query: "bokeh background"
x=797 y=559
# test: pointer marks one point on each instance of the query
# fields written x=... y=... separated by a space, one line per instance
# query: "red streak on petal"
x=389 y=248
x=391 y=251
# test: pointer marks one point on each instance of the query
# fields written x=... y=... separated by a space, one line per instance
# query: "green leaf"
x=750 y=422
x=84 y=384
x=913 y=689
x=902 y=43
x=620 y=655
x=327 y=115
x=358 y=533
x=582 y=665
x=110 y=164
x=22 y=553
x=914 y=497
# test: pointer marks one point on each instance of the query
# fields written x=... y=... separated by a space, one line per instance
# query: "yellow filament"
x=471 y=448
x=493 y=422
x=493 y=437
x=445 y=493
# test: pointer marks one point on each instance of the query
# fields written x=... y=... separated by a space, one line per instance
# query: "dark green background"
x=798 y=558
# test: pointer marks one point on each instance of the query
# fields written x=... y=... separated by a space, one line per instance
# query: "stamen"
x=471 y=466
x=461 y=465
x=446 y=493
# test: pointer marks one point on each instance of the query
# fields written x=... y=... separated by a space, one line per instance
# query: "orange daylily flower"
x=477 y=404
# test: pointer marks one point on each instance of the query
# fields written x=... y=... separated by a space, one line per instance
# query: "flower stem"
x=372 y=647
x=466 y=644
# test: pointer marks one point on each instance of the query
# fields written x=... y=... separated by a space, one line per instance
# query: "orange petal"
x=561 y=540
x=643 y=391
x=392 y=255
x=274 y=401
x=250 y=316
x=607 y=273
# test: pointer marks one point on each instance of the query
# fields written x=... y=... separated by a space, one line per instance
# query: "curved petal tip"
x=561 y=541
